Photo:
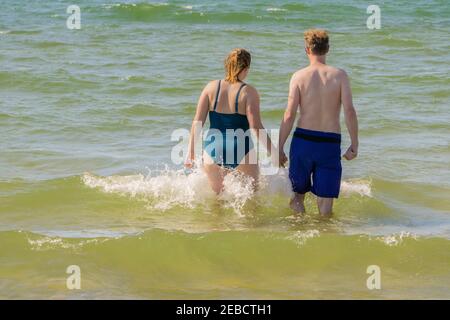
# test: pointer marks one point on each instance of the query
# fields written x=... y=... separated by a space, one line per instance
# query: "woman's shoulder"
x=250 y=90
x=211 y=86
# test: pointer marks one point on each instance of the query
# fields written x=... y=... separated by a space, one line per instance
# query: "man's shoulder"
x=299 y=74
x=338 y=71
x=307 y=71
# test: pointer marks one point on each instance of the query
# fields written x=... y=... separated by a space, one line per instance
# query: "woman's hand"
x=282 y=158
x=278 y=157
x=189 y=162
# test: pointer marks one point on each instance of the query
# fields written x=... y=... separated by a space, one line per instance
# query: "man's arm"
x=290 y=112
x=351 y=120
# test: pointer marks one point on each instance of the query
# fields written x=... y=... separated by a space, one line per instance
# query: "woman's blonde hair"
x=237 y=60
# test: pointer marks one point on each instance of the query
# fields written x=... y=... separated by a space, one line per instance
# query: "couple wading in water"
x=317 y=92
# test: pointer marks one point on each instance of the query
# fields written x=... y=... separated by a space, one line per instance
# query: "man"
x=318 y=91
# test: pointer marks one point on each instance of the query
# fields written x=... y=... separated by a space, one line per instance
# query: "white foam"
x=276 y=184
x=275 y=9
x=167 y=188
x=238 y=189
x=300 y=237
x=360 y=187
x=50 y=243
x=396 y=238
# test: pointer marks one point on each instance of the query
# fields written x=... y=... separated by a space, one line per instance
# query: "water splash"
x=53 y=243
x=238 y=189
x=168 y=188
x=396 y=238
x=360 y=187
x=300 y=237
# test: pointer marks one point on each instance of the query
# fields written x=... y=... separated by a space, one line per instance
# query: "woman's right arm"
x=255 y=122
x=197 y=124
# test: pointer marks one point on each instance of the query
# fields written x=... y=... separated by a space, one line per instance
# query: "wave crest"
x=169 y=188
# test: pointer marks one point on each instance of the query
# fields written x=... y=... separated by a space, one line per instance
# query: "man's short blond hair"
x=317 y=41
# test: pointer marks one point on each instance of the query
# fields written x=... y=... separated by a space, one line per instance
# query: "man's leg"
x=327 y=179
x=300 y=168
x=325 y=206
x=297 y=203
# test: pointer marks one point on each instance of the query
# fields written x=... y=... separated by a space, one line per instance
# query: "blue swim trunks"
x=315 y=163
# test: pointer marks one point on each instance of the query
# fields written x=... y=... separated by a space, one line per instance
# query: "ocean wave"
x=204 y=13
x=396 y=238
x=300 y=237
x=147 y=109
x=49 y=243
x=42 y=242
x=155 y=12
x=274 y=9
x=34 y=82
x=5 y=116
x=23 y=32
x=357 y=186
x=171 y=188
x=172 y=199
x=158 y=264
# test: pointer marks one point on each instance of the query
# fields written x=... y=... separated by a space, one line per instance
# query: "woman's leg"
x=249 y=168
x=217 y=173
x=214 y=172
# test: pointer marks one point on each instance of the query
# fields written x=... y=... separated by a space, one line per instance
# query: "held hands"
x=282 y=158
x=351 y=153
x=278 y=158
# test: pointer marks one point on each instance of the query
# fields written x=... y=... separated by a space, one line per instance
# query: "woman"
x=232 y=106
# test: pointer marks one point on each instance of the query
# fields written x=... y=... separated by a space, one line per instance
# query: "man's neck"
x=314 y=60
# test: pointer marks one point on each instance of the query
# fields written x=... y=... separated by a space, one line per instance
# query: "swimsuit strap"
x=237 y=98
x=217 y=96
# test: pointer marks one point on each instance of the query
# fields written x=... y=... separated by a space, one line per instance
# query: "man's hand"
x=351 y=153
x=278 y=158
x=283 y=158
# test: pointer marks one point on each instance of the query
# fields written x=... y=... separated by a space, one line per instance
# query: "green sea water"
x=86 y=176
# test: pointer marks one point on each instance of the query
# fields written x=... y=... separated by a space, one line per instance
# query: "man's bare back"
x=319 y=86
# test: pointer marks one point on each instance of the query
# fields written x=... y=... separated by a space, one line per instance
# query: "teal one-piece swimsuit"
x=228 y=139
